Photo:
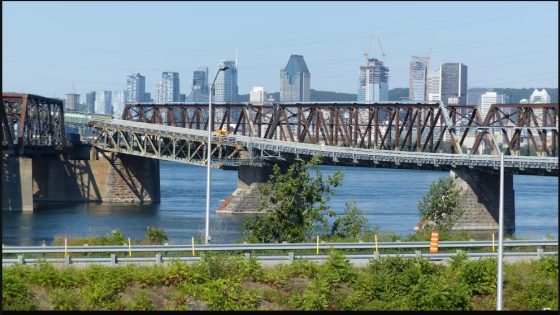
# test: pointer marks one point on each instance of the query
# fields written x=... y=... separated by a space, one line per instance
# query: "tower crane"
x=366 y=53
x=381 y=48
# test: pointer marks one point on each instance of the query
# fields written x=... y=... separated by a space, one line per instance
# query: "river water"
x=388 y=197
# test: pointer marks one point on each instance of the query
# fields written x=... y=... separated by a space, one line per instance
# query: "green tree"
x=298 y=204
x=439 y=208
x=352 y=225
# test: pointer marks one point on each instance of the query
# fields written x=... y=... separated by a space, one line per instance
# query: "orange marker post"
x=434 y=242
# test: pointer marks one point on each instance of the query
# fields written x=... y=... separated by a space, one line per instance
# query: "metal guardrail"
x=159 y=259
x=249 y=247
x=354 y=258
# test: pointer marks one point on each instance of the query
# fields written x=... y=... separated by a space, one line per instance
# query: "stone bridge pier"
x=246 y=198
x=104 y=177
x=480 y=199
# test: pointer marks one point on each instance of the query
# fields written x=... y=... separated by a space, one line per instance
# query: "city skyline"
x=486 y=36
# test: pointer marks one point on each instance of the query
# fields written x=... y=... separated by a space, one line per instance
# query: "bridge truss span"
x=189 y=146
x=428 y=128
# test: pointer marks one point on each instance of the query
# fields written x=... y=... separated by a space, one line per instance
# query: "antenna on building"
x=235 y=56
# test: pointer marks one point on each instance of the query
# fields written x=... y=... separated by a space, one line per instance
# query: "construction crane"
x=381 y=48
x=366 y=53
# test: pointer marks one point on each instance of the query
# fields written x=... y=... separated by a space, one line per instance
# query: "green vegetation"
x=154 y=236
x=227 y=282
x=439 y=207
x=299 y=203
x=299 y=208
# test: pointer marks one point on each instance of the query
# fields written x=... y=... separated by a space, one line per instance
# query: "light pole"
x=209 y=150
x=499 y=302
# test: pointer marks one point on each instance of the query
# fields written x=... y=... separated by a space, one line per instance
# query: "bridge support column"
x=480 y=199
x=247 y=197
x=106 y=177
x=17 y=184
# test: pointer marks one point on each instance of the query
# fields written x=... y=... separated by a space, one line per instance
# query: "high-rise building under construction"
x=373 y=82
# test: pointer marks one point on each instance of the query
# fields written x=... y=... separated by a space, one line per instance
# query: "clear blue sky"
x=48 y=46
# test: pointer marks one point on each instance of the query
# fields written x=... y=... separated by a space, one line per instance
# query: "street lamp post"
x=499 y=302
x=209 y=150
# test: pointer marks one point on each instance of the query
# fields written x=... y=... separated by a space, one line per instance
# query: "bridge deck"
x=270 y=149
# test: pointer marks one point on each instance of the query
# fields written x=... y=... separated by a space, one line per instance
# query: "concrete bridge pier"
x=480 y=199
x=105 y=177
x=17 y=183
x=247 y=197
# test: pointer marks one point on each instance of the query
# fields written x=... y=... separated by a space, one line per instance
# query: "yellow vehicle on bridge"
x=221 y=133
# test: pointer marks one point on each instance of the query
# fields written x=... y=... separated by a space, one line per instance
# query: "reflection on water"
x=389 y=198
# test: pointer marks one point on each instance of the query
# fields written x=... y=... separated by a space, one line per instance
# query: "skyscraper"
x=72 y=102
x=158 y=93
x=417 y=87
x=119 y=101
x=226 y=89
x=295 y=81
x=373 y=82
x=199 y=90
x=135 y=88
x=90 y=102
x=453 y=83
x=103 y=103
x=434 y=85
x=170 y=86
x=257 y=95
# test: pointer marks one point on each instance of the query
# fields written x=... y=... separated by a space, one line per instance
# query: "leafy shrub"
x=227 y=294
x=44 y=275
x=313 y=299
x=151 y=276
x=301 y=268
x=431 y=294
x=140 y=302
x=337 y=269
x=64 y=299
x=101 y=295
x=155 y=236
x=224 y=266
x=178 y=272
x=103 y=284
x=479 y=275
x=16 y=295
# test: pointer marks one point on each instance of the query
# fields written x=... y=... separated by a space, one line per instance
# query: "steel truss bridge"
x=31 y=124
x=423 y=136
